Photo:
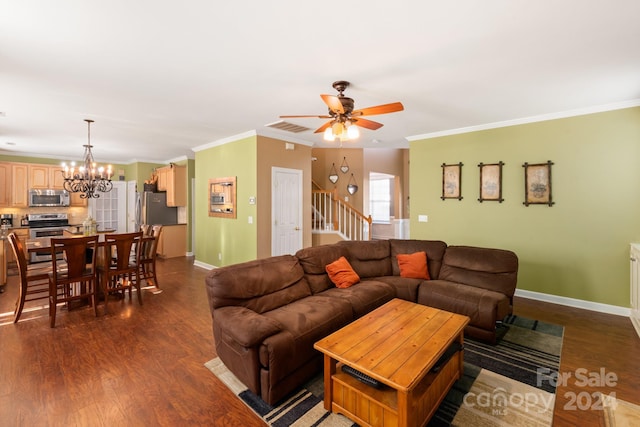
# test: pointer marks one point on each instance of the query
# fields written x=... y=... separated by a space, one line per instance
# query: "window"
x=380 y=192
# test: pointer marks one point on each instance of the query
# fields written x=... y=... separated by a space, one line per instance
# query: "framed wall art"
x=491 y=182
x=537 y=184
x=452 y=181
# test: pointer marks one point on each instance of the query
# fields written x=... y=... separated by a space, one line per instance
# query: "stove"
x=46 y=225
x=48 y=220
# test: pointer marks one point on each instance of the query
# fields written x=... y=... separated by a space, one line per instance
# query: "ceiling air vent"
x=286 y=126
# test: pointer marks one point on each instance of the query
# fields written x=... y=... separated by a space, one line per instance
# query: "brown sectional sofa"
x=268 y=313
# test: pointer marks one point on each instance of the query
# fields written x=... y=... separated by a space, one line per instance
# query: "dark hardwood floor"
x=144 y=365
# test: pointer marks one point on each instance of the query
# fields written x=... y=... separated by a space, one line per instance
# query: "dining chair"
x=119 y=270
x=78 y=281
x=146 y=229
x=148 y=255
x=34 y=278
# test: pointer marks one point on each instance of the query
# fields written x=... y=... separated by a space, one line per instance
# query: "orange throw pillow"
x=413 y=265
x=341 y=273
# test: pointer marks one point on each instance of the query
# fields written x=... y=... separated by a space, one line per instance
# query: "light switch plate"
x=423 y=218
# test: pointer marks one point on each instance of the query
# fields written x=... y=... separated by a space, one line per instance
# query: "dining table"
x=43 y=244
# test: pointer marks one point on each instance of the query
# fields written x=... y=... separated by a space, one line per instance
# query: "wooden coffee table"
x=401 y=345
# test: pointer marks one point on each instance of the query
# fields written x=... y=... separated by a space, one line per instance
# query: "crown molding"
x=533 y=119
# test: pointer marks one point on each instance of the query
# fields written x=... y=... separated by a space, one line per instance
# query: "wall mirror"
x=222 y=197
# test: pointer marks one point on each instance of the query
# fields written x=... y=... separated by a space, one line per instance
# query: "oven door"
x=44 y=232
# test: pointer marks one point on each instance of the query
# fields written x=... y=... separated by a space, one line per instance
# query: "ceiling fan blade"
x=333 y=102
x=379 y=109
x=367 y=124
x=324 y=127
x=324 y=116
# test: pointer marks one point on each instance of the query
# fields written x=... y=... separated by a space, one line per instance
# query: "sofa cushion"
x=364 y=296
x=369 y=258
x=413 y=265
x=260 y=285
x=302 y=323
x=433 y=248
x=405 y=288
x=483 y=306
x=341 y=273
x=314 y=261
x=493 y=269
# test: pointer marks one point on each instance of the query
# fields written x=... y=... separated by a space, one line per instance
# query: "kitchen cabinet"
x=173 y=180
x=39 y=176
x=19 y=185
x=45 y=177
x=173 y=241
x=56 y=179
x=162 y=178
x=76 y=201
x=5 y=185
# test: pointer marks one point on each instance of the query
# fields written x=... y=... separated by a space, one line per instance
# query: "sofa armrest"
x=244 y=326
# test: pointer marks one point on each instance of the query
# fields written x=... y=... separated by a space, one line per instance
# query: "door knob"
x=297 y=228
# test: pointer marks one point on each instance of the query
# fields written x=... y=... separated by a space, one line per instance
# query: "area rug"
x=503 y=385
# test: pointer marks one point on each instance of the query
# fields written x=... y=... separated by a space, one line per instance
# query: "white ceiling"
x=161 y=77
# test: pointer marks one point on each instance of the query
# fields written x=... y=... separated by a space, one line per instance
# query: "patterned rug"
x=502 y=385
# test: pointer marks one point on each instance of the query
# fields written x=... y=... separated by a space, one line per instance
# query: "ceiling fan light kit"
x=345 y=120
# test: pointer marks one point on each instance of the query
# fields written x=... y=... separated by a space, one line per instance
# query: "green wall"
x=579 y=248
x=235 y=239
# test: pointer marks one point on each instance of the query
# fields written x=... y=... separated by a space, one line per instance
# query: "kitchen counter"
x=78 y=230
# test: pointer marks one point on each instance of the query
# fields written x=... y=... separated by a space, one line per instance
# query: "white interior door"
x=286 y=211
x=110 y=209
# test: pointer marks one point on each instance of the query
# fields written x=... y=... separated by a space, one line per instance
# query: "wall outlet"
x=250 y=220
x=423 y=218
x=219 y=256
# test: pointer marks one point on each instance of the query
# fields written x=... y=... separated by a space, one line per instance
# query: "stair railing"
x=332 y=214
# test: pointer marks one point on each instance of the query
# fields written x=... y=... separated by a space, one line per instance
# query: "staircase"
x=332 y=215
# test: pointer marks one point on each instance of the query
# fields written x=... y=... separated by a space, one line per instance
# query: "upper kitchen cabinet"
x=39 y=176
x=45 y=177
x=19 y=185
x=5 y=185
x=173 y=180
x=56 y=178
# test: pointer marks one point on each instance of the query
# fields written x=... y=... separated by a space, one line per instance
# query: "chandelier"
x=88 y=179
x=341 y=128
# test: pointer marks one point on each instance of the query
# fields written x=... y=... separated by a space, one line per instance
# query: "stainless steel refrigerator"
x=152 y=209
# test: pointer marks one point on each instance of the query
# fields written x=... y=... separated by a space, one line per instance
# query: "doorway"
x=110 y=209
x=286 y=211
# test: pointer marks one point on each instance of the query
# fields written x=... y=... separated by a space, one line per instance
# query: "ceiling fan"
x=344 y=118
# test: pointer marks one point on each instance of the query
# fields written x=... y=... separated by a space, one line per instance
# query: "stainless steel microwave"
x=38 y=197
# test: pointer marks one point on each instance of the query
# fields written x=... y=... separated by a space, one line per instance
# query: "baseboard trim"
x=573 y=302
x=203 y=265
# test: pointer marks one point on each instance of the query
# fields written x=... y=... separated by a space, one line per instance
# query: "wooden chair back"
x=34 y=282
x=123 y=252
x=78 y=280
x=120 y=246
